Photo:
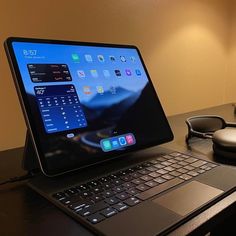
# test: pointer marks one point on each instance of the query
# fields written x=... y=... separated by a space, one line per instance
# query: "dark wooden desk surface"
x=24 y=212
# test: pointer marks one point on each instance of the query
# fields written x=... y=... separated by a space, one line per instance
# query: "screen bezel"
x=29 y=118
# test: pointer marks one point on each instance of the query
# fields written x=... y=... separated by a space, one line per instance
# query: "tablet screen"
x=86 y=102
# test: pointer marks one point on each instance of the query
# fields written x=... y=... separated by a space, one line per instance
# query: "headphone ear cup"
x=223 y=153
x=224 y=143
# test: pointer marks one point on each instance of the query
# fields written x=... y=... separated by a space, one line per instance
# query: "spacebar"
x=158 y=189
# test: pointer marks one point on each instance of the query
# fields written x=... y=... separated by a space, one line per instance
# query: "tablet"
x=85 y=103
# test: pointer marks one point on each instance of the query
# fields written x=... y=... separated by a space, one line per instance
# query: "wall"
x=183 y=42
x=231 y=81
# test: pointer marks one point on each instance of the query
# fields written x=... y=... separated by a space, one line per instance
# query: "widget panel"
x=60 y=108
x=49 y=73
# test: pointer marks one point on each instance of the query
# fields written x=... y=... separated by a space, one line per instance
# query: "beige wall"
x=231 y=82
x=184 y=44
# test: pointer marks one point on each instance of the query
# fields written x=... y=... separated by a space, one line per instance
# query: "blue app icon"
x=115 y=143
x=122 y=141
x=138 y=72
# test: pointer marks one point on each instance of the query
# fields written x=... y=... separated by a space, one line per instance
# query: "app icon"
x=81 y=73
x=71 y=135
x=138 y=72
x=106 y=73
x=112 y=58
x=100 y=89
x=128 y=72
x=87 y=90
x=115 y=143
x=101 y=58
x=88 y=58
x=113 y=90
x=106 y=144
x=117 y=72
x=94 y=73
x=133 y=59
x=122 y=141
x=75 y=57
x=122 y=58
x=129 y=139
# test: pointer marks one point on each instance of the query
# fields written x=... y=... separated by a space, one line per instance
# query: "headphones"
x=222 y=134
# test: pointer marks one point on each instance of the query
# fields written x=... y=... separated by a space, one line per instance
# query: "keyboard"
x=107 y=196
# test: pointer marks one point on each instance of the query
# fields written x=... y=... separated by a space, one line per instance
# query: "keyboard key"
x=173 y=161
x=193 y=173
x=162 y=171
x=159 y=166
x=151 y=168
x=158 y=189
x=160 y=180
x=108 y=212
x=188 y=167
x=126 y=178
x=120 y=206
x=97 y=207
x=97 y=189
x=176 y=166
x=153 y=162
x=198 y=163
x=65 y=201
x=161 y=158
x=179 y=158
x=79 y=205
x=85 y=194
x=182 y=170
x=201 y=171
x=84 y=211
x=59 y=195
x=122 y=196
x=175 y=173
x=212 y=165
x=167 y=177
x=70 y=192
x=183 y=163
x=135 y=175
x=118 y=189
x=185 y=177
x=146 y=178
x=82 y=187
x=191 y=160
x=96 y=218
x=175 y=154
x=137 y=181
x=118 y=182
x=106 y=186
x=154 y=174
x=166 y=163
x=144 y=172
x=108 y=193
x=133 y=191
x=169 y=168
x=142 y=187
x=97 y=198
x=93 y=184
x=132 y=201
x=151 y=184
x=112 y=200
x=128 y=185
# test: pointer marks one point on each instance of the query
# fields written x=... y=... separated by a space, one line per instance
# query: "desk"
x=24 y=212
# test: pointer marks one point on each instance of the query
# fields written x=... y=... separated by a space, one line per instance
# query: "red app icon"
x=129 y=139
